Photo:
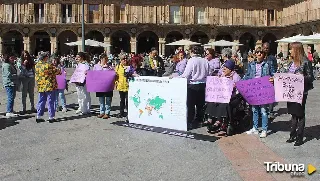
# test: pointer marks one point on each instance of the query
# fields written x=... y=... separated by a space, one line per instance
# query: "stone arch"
x=64 y=30
x=97 y=36
x=200 y=37
x=248 y=41
x=171 y=37
x=146 y=40
x=120 y=40
x=12 y=43
x=271 y=39
x=40 y=41
x=64 y=37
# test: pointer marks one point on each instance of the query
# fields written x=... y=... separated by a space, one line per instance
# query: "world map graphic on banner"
x=159 y=102
x=149 y=106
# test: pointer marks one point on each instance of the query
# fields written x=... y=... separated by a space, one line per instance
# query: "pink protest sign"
x=100 y=80
x=258 y=91
x=62 y=81
x=218 y=89
x=289 y=87
x=79 y=74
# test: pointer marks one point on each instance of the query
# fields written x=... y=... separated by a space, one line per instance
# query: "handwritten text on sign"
x=218 y=89
x=258 y=91
x=289 y=87
x=79 y=75
x=100 y=80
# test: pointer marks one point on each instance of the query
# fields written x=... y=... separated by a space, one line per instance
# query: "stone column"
x=1 y=50
x=162 y=42
x=212 y=40
x=258 y=44
x=133 y=44
x=305 y=47
x=80 y=46
x=107 y=41
x=26 y=44
x=53 y=42
x=235 y=48
x=317 y=47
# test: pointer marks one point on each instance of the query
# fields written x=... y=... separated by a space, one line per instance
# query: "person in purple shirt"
x=182 y=63
x=214 y=62
x=105 y=98
x=60 y=92
x=226 y=54
x=196 y=73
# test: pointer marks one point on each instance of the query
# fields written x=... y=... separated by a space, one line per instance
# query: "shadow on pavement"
x=310 y=133
x=183 y=134
x=73 y=117
x=8 y=122
x=281 y=111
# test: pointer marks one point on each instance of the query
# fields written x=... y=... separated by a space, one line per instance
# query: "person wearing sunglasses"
x=257 y=69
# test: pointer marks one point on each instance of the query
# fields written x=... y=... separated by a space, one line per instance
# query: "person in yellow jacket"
x=122 y=84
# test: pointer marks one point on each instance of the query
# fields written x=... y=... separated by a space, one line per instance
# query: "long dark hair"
x=6 y=59
x=26 y=56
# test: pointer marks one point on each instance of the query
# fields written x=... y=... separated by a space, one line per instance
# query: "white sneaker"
x=10 y=115
x=252 y=131
x=78 y=111
x=263 y=134
x=64 y=109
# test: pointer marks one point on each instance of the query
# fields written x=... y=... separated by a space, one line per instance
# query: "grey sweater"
x=9 y=75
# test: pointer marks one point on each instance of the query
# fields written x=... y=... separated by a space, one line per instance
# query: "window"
x=199 y=15
x=39 y=13
x=93 y=13
x=66 y=13
x=270 y=18
x=175 y=14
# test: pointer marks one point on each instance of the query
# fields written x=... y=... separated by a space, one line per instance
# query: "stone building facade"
x=136 y=25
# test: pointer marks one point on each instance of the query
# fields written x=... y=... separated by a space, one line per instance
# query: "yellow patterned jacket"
x=46 y=76
x=122 y=81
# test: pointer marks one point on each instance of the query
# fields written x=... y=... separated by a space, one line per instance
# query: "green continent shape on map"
x=156 y=103
x=161 y=116
x=136 y=99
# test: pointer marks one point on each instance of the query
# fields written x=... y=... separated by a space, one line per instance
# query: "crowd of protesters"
x=194 y=65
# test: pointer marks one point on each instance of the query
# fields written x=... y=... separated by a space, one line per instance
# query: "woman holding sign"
x=60 y=91
x=257 y=69
x=105 y=98
x=79 y=78
x=299 y=65
x=220 y=111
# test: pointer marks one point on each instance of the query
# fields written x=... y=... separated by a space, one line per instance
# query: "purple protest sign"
x=62 y=81
x=258 y=91
x=289 y=87
x=79 y=74
x=218 y=89
x=100 y=80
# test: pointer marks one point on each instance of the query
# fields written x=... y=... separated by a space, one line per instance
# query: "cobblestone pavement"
x=87 y=148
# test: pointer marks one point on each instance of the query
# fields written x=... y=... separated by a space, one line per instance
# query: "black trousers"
x=298 y=121
x=195 y=101
x=123 y=101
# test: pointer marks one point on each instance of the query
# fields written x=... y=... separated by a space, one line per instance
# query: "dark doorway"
x=97 y=36
x=12 y=43
x=200 y=37
x=147 y=40
x=40 y=41
x=120 y=40
x=67 y=37
x=172 y=37
x=222 y=36
x=271 y=39
x=248 y=41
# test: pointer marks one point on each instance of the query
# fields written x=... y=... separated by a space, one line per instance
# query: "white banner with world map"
x=159 y=102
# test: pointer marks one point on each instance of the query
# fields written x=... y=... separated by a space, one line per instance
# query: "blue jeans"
x=264 y=116
x=60 y=95
x=105 y=105
x=11 y=95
